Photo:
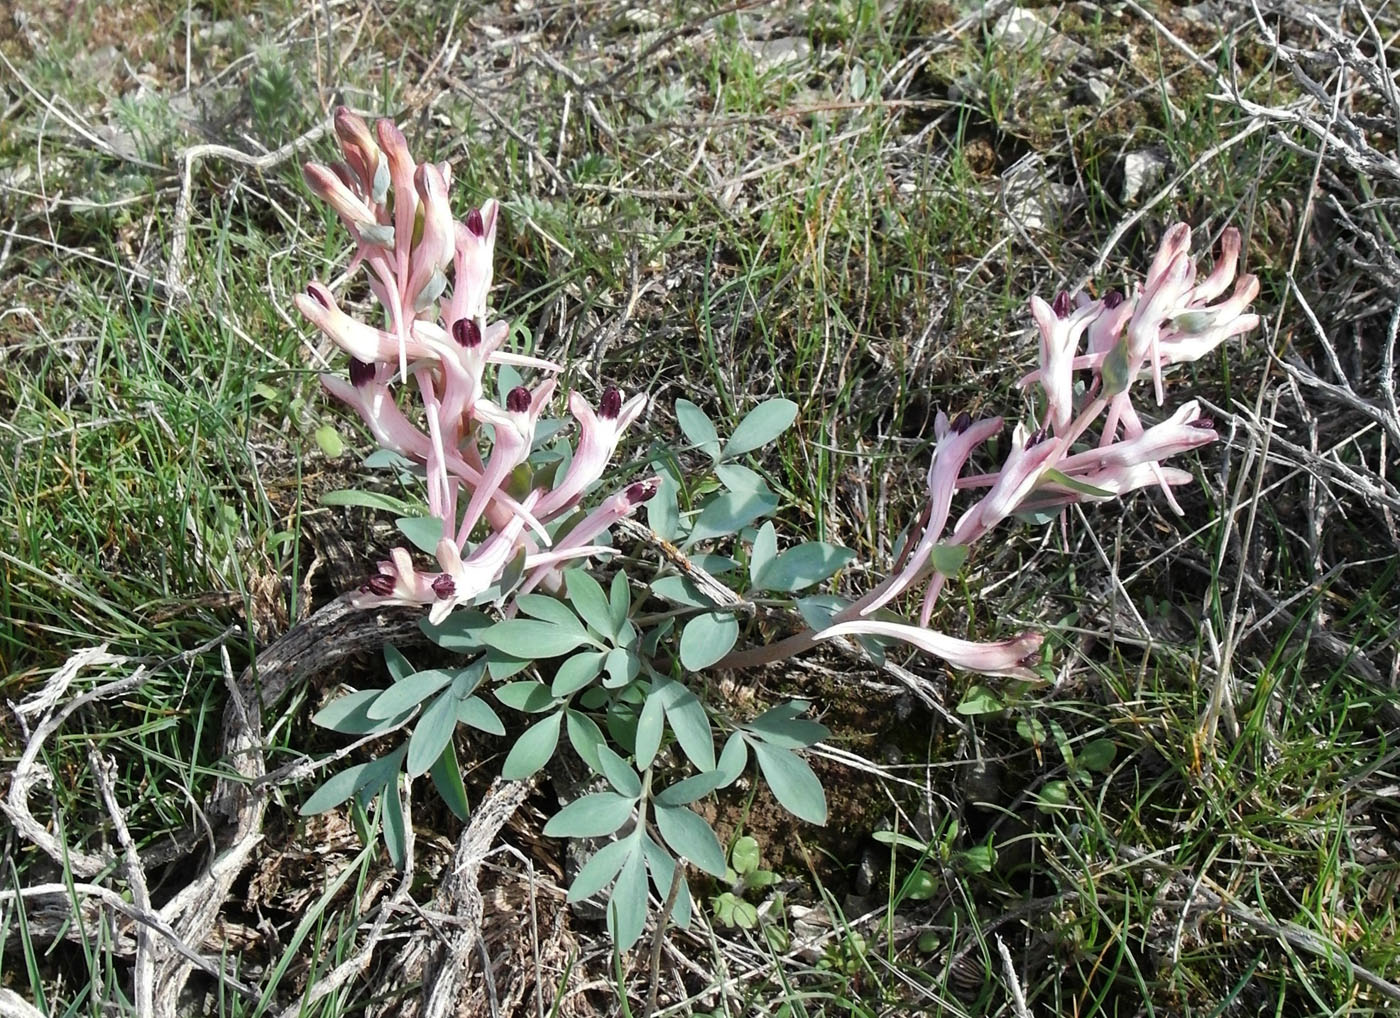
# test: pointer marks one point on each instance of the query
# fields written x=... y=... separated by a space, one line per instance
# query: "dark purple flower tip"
x=444 y=587
x=961 y=422
x=1061 y=305
x=476 y=224
x=611 y=405
x=1204 y=423
x=1037 y=437
x=381 y=584
x=642 y=491
x=518 y=400
x=317 y=294
x=361 y=374
x=1112 y=299
x=466 y=332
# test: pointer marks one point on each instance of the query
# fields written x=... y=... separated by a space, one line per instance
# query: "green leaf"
x=530 y=697
x=367 y=500
x=948 y=558
x=587 y=739
x=475 y=712
x=591 y=816
x=329 y=441
x=792 y=782
x=690 y=722
x=1098 y=755
x=531 y=640
x=980 y=700
x=697 y=428
x=730 y=512
x=533 y=749
x=423 y=532
x=594 y=875
x=744 y=856
x=577 y=672
x=690 y=838
x=590 y=602
x=765 y=549
x=1065 y=481
x=447 y=779
x=1053 y=797
x=410 y=691
x=1114 y=370
x=803 y=565
x=650 y=724
x=978 y=859
x=760 y=426
x=627 y=909
x=395 y=829
x=619 y=773
x=707 y=638
x=349 y=714
x=900 y=841
x=432 y=734
x=460 y=632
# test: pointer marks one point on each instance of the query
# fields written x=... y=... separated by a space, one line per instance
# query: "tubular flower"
x=514 y=427
x=1008 y=657
x=598 y=437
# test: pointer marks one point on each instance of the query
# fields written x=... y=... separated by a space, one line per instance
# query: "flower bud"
x=467 y=333
x=611 y=404
x=518 y=400
x=361 y=374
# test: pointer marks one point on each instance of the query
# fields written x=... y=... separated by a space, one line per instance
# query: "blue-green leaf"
x=730 y=512
x=627 y=909
x=337 y=788
x=623 y=666
x=619 y=773
x=591 y=816
x=792 y=782
x=594 y=875
x=789 y=733
x=663 y=869
x=532 y=640
x=349 y=714
x=690 y=838
x=765 y=549
x=691 y=723
x=588 y=599
x=396 y=821
x=549 y=609
x=533 y=749
x=740 y=478
x=707 y=638
x=680 y=590
x=650 y=724
x=663 y=511
x=447 y=779
x=760 y=426
x=477 y=713
x=587 y=739
x=410 y=691
x=530 y=697
x=687 y=790
x=803 y=565
x=577 y=672
x=398 y=664
x=732 y=759
x=697 y=428
x=619 y=604
x=460 y=632
x=948 y=558
x=432 y=733
x=423 y=532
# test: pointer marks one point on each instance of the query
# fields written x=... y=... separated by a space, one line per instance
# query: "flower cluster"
x=1172 y=319
x=440 y=334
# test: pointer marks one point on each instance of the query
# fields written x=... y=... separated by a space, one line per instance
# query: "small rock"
x=1020 y=28
x=1093 y=92
x=771 y=54
x=1141 y=170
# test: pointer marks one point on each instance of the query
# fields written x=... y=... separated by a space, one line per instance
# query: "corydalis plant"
x=605 y=669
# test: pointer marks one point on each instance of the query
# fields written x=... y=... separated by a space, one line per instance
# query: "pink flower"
x=1009 y=657
x=575 y=543
x=514 y=427
x=474 y=245
x=1060 y=331
x=1030 y=457
x=598 y=437
x=361 y=341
